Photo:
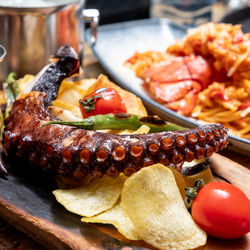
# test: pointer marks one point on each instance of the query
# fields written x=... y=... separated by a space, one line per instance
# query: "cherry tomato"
x=222 y=210
x=102 y=101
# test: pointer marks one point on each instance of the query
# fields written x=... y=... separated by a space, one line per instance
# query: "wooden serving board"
x=27 y=203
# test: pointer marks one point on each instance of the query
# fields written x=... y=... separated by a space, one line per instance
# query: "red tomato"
x=102 y=101
x=222 y=210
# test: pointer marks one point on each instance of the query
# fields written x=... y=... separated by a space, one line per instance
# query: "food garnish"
x=191 y=192
x=102 y=101
x=120 y=122
x=11 y=91
x=219 y=208
x=205 y=76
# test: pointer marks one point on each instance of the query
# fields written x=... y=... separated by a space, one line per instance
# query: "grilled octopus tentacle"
x=70 y=151
x=50 y=81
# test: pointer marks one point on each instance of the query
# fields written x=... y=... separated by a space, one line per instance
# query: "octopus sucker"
x=209 y=151
x=84 y=156
x=130 y=169
x=119 y=154
x=192 y=138
x=113 y=170
x=74 y=152
x=167 y=143
x=163 y=158
x=180 y=141
x=136 y=151
x=200 y=152
x=189 y=155
x=101 y=156
x=153 y=148
x=148 y=161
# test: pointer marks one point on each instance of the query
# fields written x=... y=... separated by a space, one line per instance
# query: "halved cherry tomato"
x=222 y=210
x=102 y=101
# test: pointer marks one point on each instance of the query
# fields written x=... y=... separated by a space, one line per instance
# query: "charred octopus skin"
x=69 y=151
x=49 y=82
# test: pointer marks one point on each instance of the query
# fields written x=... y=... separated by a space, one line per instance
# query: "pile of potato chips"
x=145 y=206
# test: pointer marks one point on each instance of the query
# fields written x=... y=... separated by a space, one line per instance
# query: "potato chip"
x=70 y=93
x=2 y=97
x=71 y=96
x=63 y=114
x=152 y=201
x=64 y=105
x=93 y=198
x=179 y=181
x=144 y=129
x=118 y=218
x=24 y=81
x=78 y=89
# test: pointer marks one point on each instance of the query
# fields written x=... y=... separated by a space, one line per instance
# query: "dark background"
x=120 y=10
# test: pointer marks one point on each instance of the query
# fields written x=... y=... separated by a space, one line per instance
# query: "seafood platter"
x=92 y=147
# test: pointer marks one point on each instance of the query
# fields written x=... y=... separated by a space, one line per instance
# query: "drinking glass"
x=186 y=12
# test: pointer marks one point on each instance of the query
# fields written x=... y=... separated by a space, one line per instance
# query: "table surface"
x=11 y=238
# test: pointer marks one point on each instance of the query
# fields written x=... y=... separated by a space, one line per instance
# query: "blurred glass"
x=223 y=8
x=187 y=12
x=236 y=4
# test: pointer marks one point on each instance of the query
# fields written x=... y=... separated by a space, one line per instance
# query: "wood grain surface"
x=232 y=172
x=27 y=204
x=11 y=238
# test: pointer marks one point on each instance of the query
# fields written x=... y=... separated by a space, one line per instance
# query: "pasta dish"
x=206 y=76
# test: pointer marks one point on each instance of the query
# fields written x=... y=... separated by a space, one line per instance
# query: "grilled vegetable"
x=11 y=90
x=120 y=122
